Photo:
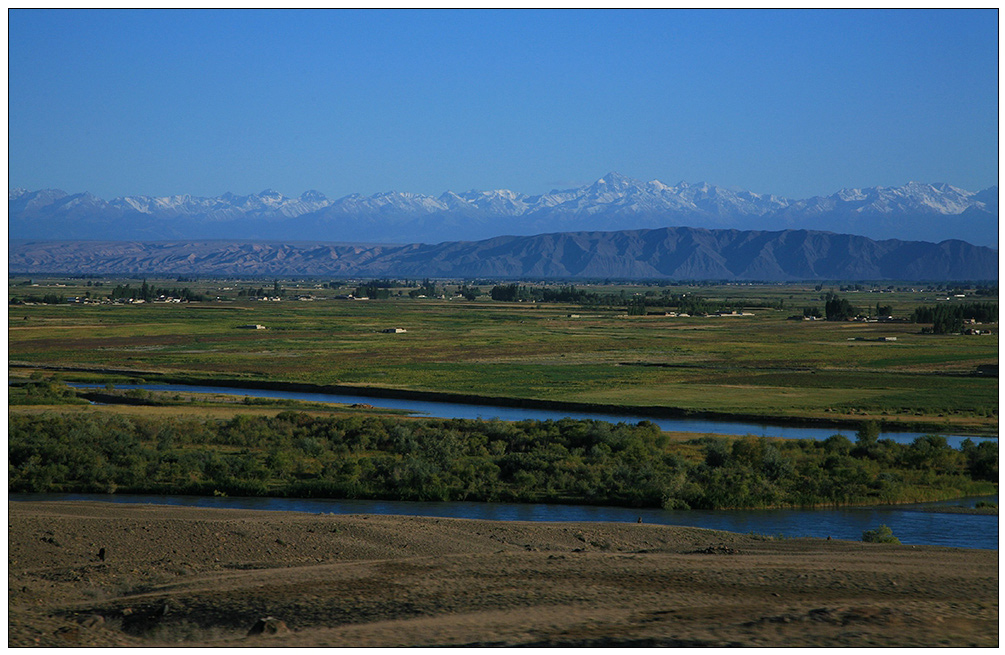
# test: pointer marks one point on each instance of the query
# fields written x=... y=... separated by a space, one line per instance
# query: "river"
x=912 y=524
x=460 y=410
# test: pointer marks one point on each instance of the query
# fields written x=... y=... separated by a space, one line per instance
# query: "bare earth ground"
x=204 y=577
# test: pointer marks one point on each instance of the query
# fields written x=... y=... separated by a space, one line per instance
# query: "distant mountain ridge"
x=915 y=211
x=667 y=253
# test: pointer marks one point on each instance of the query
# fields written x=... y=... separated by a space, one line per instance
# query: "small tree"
x=867 y=434
x=947 y=323
x=636 y=307
x=837 y=308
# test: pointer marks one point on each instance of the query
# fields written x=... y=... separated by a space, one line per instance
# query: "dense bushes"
x=294 y=454
x=42 y=392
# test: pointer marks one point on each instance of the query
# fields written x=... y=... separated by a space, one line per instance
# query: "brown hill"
x=667 y=253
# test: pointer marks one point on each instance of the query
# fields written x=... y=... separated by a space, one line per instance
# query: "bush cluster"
x=573 y=461
x=881 y=535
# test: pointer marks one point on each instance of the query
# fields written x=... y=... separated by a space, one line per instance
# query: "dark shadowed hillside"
x=671 y=253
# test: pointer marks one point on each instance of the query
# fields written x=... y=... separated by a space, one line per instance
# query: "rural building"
x=394 y=330
x=251 y=327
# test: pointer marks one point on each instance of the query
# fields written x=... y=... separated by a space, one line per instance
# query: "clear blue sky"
x=796 y=103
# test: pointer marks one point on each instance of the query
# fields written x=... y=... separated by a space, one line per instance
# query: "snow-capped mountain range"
x=915 y=211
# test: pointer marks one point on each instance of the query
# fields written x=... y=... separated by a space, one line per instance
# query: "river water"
x=460 y=410
x=912 y=524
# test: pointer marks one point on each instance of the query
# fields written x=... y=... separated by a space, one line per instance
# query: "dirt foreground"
x=103 y=574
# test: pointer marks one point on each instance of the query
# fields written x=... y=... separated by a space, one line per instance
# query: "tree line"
x=634 y=303
x=565 y=461
x=147 y=293
x=949 y=318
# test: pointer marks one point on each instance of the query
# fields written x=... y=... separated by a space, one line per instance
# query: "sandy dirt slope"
x=205 y=577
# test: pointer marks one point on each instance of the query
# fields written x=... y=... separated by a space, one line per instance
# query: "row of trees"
x=45 y=299
x=372 y=290
x=949 y=318
x=147 y=293
x=381 y=289
x=295 y=454
x=837 y=308
x=426 y=288
x=635 y=304
x=945 y=319
x=517 y=292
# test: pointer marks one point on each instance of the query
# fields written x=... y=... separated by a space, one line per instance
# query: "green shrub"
x=296 y=454
x=880 y=535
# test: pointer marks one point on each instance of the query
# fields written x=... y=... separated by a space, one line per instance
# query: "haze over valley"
x=911 y=212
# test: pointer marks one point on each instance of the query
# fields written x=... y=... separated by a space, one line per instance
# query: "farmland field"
x=759 y=364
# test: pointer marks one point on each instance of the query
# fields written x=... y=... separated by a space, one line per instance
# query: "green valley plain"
x=743 y=350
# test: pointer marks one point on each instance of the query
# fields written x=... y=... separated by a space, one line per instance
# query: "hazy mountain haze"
x=914 y=211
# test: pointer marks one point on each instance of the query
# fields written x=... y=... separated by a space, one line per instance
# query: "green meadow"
x=762 y=364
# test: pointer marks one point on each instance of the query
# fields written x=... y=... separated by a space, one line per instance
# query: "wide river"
x=460 y=410
x=912 y=524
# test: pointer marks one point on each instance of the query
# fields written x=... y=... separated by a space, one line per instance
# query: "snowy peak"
x=501 y=202
x=24 y=200
x=615 y=182
x=313 y=196
x=611 y=190
x=916 y=210
x=916 y=197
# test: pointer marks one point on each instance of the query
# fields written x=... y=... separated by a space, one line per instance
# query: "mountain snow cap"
x=313 y=196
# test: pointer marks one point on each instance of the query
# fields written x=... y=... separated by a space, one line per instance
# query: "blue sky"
x=795 y=103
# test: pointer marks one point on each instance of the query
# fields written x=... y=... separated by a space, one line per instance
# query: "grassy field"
x=761 y=365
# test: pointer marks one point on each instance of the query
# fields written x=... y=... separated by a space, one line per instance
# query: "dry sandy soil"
x=205 y=577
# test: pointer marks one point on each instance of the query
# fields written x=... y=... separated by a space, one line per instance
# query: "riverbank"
x=97 y=574
x=951 y=425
